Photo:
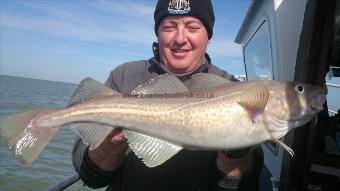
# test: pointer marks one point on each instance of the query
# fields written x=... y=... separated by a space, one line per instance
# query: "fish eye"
x=299 y=88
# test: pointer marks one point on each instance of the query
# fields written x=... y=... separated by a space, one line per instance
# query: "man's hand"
x=110 y=154
x=234 y=167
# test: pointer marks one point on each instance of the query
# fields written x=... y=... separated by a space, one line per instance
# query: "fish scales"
x=159 y=119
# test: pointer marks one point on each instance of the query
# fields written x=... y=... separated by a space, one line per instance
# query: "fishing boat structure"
x=297 y=41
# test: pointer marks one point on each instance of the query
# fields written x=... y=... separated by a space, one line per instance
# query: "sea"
x=19 y=94
x=54 y=164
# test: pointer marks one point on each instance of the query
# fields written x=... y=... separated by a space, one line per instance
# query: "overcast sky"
x=68 y=40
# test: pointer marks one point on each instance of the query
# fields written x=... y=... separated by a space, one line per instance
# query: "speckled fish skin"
x=218 y=122
x=222 y=117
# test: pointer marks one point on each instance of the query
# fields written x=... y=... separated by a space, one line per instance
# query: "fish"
x=165 y=115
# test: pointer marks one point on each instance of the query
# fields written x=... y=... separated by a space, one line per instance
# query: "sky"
x=68 y=40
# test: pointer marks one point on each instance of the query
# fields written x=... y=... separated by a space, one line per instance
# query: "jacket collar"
x=202 y=68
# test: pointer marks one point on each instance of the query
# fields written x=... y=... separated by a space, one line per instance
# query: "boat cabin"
x=297 y=40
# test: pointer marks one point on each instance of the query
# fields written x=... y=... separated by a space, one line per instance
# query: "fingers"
x=110 y=154
x=234 y=166
x=117 y=136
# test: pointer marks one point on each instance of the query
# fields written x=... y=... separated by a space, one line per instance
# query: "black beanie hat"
x=201 y=9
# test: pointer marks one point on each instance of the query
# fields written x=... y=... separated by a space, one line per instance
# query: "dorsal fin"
x=163 y=84
x=89 y=88
x=203 y=81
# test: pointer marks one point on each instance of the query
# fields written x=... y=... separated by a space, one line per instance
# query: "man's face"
x=183 y=41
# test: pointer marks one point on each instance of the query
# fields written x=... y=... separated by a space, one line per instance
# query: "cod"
x=165 y=115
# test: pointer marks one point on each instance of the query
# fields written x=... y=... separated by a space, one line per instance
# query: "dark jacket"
x=188 y=170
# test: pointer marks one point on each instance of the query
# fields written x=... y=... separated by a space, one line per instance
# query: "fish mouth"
x=317 y=102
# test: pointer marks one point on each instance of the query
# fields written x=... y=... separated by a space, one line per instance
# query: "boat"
x=297 y=41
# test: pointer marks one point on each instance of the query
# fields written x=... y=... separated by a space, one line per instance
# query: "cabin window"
x=257 y=55
x=258 y=62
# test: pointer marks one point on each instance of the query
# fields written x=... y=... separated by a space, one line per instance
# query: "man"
x=183 y=28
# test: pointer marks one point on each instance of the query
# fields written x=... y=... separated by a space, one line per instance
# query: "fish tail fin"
x=24 y=137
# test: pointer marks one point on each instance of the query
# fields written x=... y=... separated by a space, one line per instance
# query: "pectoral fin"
x=153 y=151
x=255 y=100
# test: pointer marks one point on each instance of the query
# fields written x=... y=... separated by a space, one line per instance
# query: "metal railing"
x=334 y=86
x=332 y=111
x=241 y=77
x=64 y=184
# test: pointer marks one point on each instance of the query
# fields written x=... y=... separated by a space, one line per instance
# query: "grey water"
x=55 y=163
